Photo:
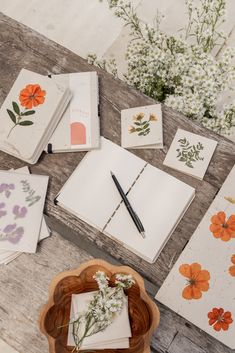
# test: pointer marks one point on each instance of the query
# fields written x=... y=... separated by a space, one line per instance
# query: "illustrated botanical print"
x=230 y=199
x=220 y=319
x=232 y=268
x=19 y=212
x=2 y=211
x=189 y=154
x=197 y=280
x=142 y=124
x=12 y=233
x=31 y=198
x=221 y=227
x=31 y=96
x=6 y=189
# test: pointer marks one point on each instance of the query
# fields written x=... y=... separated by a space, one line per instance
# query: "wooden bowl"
x=144 y=314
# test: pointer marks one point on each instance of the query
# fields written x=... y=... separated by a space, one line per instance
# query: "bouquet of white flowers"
x=185 y=76
x=105 y=305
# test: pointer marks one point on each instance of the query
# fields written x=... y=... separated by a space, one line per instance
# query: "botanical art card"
x=201 y=285
x=142 y=127
x=22 y=200
x=190 y=153
x=6 y=256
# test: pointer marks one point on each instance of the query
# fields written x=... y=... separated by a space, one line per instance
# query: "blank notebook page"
x=90 y=192
x=160 y=201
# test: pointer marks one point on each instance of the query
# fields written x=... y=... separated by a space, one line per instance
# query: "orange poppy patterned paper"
x=201 y=285
x=220 y=319
x=221 y=227
x=197 y=281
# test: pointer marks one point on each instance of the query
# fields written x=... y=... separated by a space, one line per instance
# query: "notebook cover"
x=29 y=113
x=79 y=128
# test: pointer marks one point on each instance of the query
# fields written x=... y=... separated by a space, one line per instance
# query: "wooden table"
x=24 y=282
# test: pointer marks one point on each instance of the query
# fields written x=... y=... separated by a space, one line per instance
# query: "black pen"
x=132 y=213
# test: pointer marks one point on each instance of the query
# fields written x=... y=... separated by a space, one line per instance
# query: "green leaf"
x=146 y=126
x=141 y=133
x=139 y=129
x=28 y=112
x=12 y=116
x=26 y=123
x=16 y=108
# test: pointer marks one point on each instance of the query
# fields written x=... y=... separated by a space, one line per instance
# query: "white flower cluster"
x=184 y=76
x=105 y=305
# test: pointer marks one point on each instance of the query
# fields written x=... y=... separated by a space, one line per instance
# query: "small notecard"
x=142 y=127
x=115 y=336
x=21 y=210
x=190 y=153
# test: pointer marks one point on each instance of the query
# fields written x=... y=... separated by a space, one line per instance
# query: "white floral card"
x=190 y=153
x=201 y=285
x=115 y=336
x=22 y=200
x=142 y=127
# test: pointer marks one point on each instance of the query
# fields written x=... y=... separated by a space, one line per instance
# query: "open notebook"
x=159 y=199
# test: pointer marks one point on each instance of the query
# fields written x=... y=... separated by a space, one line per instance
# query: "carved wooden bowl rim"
x=152 y=307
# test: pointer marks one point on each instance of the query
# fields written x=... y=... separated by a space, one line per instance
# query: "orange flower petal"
x=217 y=326
x=221 y=216
x=195 y=270
x=233 y=259
x=197 y=294
x=204 y=275
x=224 y=326
x=202 y=285
x=185 y=270
x=232 y=271
x=188 y=292
x=225 y=236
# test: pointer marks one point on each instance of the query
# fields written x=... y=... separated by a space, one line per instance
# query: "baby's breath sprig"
x=180 y=70
x=105 y=305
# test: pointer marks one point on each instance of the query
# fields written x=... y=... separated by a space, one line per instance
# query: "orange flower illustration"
x=220 y=319
x=197 y=281
x=31 y=96
x=222 y=228
x=232 y=268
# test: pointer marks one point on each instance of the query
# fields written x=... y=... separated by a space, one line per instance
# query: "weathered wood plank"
x=24 y=289
x=21 y=47
x=181 y=344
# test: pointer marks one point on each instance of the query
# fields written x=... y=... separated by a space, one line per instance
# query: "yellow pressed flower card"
x=29 y=114
x=201 y=285
x=142 y=127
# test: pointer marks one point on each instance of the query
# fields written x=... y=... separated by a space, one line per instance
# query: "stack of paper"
x=22 y=224
x=30 y=114
x=79 y=128
x=115 y=336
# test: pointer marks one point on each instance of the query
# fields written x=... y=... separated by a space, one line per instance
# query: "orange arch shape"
x=78 y=134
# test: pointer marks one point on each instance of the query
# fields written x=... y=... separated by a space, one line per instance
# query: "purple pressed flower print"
x=6 y=189
x=19 y=212
x=12 y=233
x=2 y=212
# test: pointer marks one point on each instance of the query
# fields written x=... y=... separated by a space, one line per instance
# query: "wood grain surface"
x=22 y=47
